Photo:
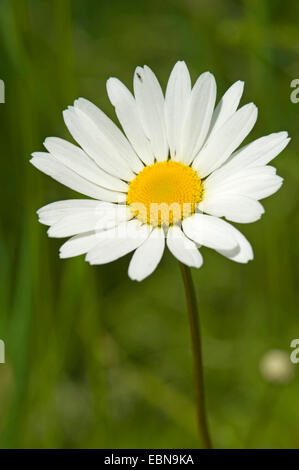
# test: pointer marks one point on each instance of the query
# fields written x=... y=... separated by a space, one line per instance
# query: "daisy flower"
x=169 y=178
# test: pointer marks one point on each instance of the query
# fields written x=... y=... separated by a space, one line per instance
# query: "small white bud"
x=276 y=367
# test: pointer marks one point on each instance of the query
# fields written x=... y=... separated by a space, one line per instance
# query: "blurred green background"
x=93 y=359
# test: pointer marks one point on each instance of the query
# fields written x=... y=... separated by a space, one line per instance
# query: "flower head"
x=276 y=367
x=172 y=175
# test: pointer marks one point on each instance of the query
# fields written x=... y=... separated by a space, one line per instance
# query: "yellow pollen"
x=164 y=193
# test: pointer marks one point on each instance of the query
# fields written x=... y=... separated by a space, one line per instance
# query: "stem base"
x=197 y=356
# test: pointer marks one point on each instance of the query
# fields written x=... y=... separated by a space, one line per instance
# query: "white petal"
x=259 y=187
x=52 y=167
x=86 y=133
x=115 y=141
x=234 y=207
x=147 y=257
x=183 y=248
x=225 y=140
x=226 y=106
x=210 y=231
x=258 y=153
x=117 y=242
x=216 y=182
x=242 y=253
x=198 y=117
x=127 y=113
x=254 y=182
x=77 y=160
x=245 y=174
x=52 y=213
x=150 y=103
x=177 y=97
x=102 y=217
x=79 y=245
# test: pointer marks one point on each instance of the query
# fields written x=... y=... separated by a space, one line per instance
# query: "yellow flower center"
x=164 y=193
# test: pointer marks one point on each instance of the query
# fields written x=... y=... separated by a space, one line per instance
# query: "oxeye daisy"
x=171 y=175
x=170 y=178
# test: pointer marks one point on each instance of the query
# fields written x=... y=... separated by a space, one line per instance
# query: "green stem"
x=197 y=356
